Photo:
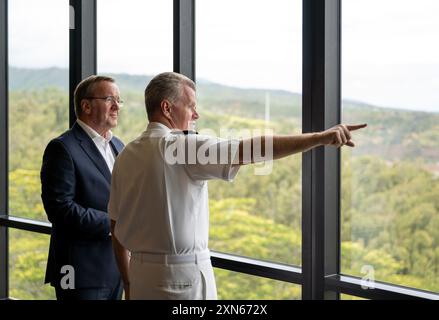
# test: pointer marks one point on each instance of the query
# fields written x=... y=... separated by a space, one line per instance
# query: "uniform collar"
x=158 y=126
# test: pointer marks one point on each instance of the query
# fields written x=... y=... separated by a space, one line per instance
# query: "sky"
x=390 y=56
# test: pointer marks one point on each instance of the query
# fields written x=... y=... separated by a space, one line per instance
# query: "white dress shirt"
x=161 y=207
x=103 y=144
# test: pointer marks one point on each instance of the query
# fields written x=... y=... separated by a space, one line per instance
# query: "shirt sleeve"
x=211 y=158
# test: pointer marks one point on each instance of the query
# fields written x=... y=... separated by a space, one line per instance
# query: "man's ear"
x=85 y=106
x=165 y=107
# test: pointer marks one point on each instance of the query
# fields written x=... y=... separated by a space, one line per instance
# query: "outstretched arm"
x=277 y=147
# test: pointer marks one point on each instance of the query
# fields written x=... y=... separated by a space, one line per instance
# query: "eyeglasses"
x=109 y=100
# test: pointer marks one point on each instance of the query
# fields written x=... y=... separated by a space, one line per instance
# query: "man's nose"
x=195 y=115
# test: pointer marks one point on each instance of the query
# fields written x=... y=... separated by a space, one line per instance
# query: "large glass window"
x=27 y=266
x=238 y=286
x=390 y=182
x=135 y=42
x=38 y=95
x=248 y=66
x=38 y=111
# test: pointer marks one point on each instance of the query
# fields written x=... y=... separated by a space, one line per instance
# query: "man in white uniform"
x=159 y=202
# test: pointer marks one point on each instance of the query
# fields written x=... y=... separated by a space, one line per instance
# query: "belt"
x=171 y=258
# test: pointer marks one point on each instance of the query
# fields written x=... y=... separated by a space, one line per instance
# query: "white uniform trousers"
x=172 y=277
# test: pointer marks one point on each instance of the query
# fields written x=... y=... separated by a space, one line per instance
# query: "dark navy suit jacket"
x=75 y=183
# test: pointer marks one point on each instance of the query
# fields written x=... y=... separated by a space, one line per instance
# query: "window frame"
x=83 y=47
x=320 y=166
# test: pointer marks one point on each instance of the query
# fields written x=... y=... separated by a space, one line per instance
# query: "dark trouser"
x=114 y=293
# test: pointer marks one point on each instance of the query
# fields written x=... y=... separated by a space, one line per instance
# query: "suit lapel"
x=116 y=146
x=92 y=151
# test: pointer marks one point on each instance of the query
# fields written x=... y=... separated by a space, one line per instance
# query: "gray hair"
x=167 y=85
x=85 y=88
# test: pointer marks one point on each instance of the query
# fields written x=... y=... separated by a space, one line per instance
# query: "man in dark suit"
x=75 y=179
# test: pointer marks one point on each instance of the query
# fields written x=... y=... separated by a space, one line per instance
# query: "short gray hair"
x=167 y=85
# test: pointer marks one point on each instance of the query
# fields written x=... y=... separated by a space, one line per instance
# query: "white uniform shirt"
x=103 y=144
x=161 y=207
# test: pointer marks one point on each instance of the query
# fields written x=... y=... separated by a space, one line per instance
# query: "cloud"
x=390 y=56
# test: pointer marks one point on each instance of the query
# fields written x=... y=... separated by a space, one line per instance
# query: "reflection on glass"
x=249 y=79
x=27 y=266
x=240 y=286
x=38 y=95
x=132 y=48
x=390 y=182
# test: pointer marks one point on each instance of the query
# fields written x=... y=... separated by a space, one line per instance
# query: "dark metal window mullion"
x=320 y=167
x=184 y=37
x=332 y=163
x=83 y=36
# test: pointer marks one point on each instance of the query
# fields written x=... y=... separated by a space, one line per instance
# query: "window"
x=27 y=266
x=249 y=78
x=390 y=185
x=238 y=286
x=38 y=95
x=38 y=112
x=134 y=43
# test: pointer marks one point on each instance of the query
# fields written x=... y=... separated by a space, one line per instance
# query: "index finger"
x=356 y=126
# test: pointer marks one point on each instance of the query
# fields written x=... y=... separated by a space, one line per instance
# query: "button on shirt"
x=103 y=144
x=160 y=205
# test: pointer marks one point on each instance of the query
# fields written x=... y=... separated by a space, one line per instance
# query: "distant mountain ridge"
x=25 y=79
x=32 y=79
x=29 y=78
x=392 y=133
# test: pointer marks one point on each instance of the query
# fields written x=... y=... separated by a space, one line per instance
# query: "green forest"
x=389 y=196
